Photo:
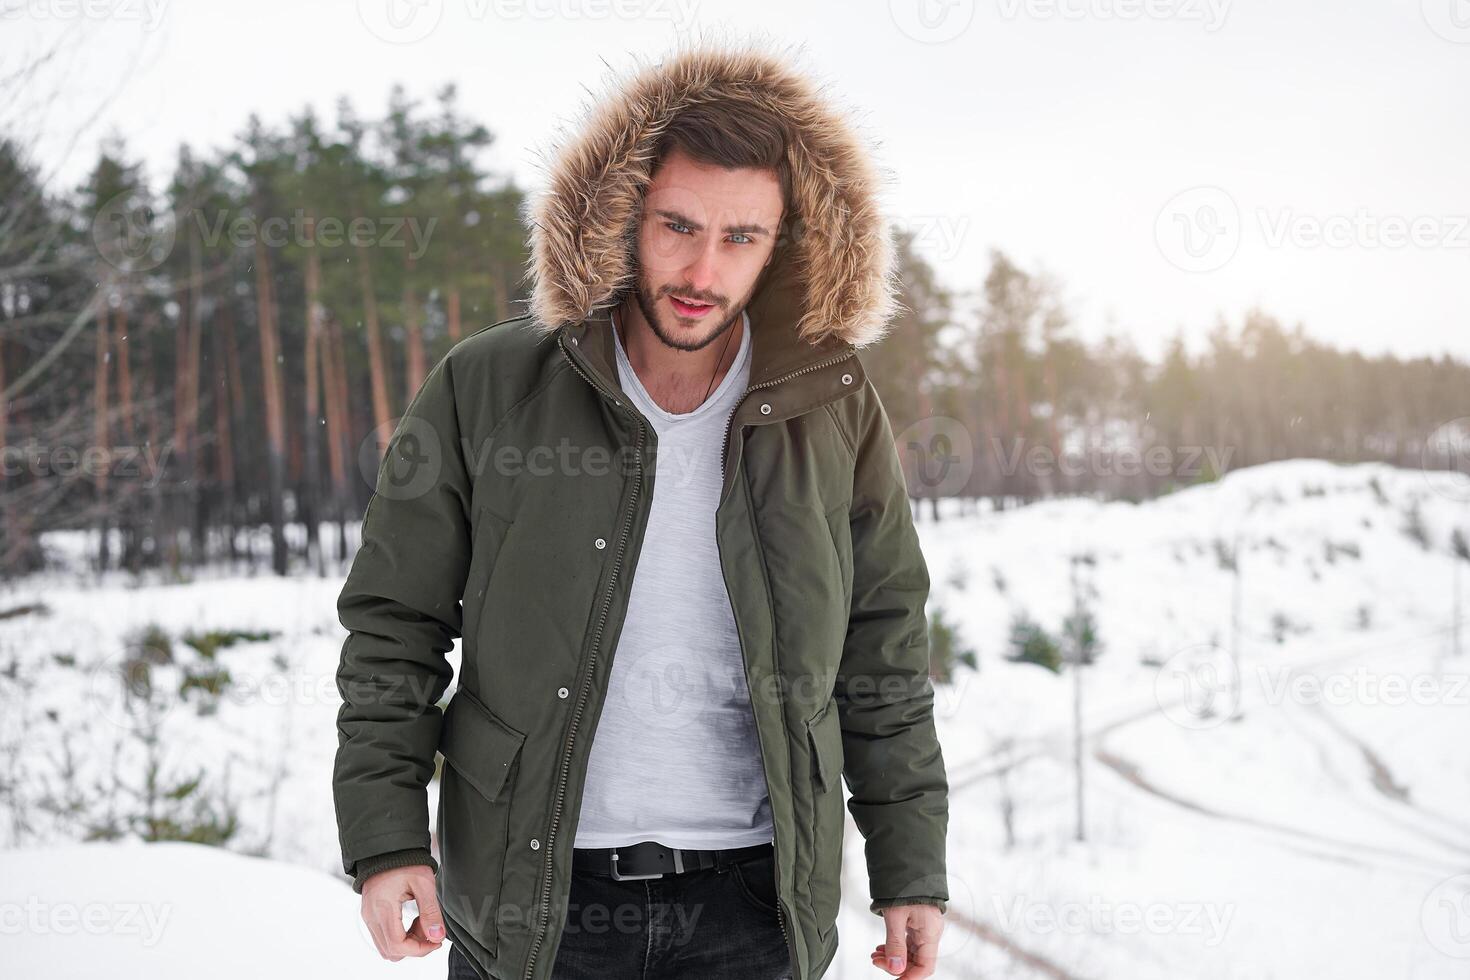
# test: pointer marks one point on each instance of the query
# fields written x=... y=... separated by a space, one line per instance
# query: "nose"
x=700 y=273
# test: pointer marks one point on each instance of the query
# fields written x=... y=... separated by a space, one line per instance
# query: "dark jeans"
x=714 y=924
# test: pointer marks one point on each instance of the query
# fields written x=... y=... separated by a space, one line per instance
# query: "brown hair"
x=730 y=136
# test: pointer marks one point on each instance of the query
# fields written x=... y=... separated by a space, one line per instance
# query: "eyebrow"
x=728 y=230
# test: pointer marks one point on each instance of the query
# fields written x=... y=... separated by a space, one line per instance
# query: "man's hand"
x=912 y=947
x=383 y=896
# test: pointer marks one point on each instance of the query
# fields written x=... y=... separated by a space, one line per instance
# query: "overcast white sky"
x=1171 y=161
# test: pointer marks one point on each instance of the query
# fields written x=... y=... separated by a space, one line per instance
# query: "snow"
x=1315 y=825
x=175 y=910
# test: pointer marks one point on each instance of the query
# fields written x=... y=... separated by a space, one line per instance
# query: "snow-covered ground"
x=1311 y=820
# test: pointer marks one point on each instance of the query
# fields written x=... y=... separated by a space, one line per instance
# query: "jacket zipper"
x=724 y=455
x=547 y=878
x=725 y=447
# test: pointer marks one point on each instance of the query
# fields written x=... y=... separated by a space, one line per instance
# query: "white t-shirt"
x=675 y=757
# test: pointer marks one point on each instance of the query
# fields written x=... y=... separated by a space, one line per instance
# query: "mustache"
x=694 y=295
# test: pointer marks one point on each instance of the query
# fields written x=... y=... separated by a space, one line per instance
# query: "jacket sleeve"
x=401 y=608
x=885 y=700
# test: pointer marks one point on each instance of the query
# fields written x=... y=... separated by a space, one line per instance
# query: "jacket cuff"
x=369 y=866
x=879 y=904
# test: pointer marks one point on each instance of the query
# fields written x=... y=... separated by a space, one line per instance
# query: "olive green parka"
x=508 y=513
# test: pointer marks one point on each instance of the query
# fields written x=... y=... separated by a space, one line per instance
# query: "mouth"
x=693 y=309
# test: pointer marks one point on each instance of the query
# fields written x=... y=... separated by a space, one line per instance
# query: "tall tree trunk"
x=233 y=393
x=224 y=462
x=159 y=453
x=196 y=495
x=339 y=429
x=183 y=449
x=100 y=441
x=311 y=430
x=454 y=324
x=124 y=374
x=416 y=361
x=377 y=365
x=275 y=415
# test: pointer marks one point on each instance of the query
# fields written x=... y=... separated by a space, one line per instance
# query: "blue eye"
x=746 y=237
x=675 y=226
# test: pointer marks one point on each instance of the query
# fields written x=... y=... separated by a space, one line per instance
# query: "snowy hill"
x=173 y=911
x=1323 y=832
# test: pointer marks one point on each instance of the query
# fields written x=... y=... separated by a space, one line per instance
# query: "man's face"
x=707 y=233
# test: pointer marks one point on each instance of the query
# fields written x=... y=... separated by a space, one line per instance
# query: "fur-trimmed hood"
x=836 y=266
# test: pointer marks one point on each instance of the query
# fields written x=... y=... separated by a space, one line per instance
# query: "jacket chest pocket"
x=824 y=739
x=481 y=757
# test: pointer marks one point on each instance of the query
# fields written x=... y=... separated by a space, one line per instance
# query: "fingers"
x=430 y=917
x=384 y=920
x=910 y=949
x=382 y=910
x=895 y=944
x=923 y=946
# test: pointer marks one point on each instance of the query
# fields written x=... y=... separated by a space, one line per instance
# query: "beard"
x=724 y=315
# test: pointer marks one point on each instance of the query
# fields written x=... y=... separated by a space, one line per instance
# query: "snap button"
x=600 y=543
x=847 y=379
x=562 y=692
x=535 y=844
x=574 y=341
x=765 y=408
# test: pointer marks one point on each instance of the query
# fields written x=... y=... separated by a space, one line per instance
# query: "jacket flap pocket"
x=824 y=736
x=477 y=744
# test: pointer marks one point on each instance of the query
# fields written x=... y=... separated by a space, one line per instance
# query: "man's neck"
x=678 y=381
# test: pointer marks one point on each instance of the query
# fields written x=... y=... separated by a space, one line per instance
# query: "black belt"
x=650 y=859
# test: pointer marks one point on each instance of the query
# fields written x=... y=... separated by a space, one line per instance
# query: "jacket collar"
x=794 y=376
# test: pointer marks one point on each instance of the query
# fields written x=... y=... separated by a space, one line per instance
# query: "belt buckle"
x=678 y=867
